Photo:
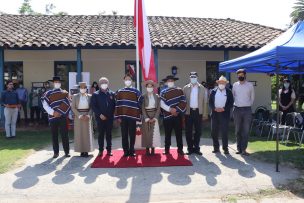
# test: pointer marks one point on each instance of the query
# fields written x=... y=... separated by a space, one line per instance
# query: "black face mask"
x=241 y=78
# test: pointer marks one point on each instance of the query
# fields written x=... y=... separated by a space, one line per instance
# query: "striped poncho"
x=58 y=100
x=175 y=98
x=128 y=104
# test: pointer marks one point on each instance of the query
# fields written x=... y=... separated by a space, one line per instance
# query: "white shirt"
x=151 y=102
x=220 y=98
x=243 y=94
x=194 y=97
x=83 y=102
x=47 y=108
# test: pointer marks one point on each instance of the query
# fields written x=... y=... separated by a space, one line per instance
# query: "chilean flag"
x=144 y=47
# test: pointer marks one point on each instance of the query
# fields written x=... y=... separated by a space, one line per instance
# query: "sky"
x=273 y=13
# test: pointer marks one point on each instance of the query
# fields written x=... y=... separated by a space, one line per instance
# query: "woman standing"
x=83 y=133
x=94 y=87
x=287 y=97
x=150 y=112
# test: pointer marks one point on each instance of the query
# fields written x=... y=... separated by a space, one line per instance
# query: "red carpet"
x=141 y=160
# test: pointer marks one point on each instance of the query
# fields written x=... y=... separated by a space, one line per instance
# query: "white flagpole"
x=137 y=54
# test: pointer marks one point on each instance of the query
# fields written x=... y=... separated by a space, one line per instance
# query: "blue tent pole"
x=1 y=82
x=79 y=65
x=278 y=119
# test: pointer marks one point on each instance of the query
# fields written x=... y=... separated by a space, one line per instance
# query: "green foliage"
x=26 y=8
x=298 y=12
x=13 y=150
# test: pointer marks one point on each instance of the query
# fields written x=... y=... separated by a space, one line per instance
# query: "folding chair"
x=273 y=126
x=257 y=117
x=294 y=126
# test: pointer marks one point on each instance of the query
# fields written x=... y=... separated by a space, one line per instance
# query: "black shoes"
x=100 y=153
x=238 y=152
x=198 y=153
x=126 y=154
x=148 y=151
x=67 y=155
x=180 y=152
x=226 y=152
x=152 y=151
x=55 y=155
x=132 y=154
x=109 y=153
x=216 y=151
x=244 y=153
x=167 y=151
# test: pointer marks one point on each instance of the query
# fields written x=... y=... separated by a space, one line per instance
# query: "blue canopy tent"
x=284 y=55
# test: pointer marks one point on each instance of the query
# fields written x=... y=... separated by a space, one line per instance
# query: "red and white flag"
x=144 y=47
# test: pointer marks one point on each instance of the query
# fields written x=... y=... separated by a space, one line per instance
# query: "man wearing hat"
x=220 y=102
x=196 y=110
x=243 y=93
x=173 y=104
x=127 y=112
x=103 y=105
x=83 y=127
x=57 y=104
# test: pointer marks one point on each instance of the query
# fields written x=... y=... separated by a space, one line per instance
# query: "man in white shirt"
x=196 y=111
x=243 y=93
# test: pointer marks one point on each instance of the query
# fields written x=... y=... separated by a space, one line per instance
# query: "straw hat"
x=222 y=79
x=147 y=82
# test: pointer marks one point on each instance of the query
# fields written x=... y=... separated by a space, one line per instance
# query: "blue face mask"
x=193 y=80
x=286 y=85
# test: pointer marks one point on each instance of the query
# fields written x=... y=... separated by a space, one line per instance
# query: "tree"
x=49 y=8
x=298 y=12
x=26 y=8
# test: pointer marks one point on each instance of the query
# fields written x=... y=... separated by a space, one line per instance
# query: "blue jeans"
x=11 y=115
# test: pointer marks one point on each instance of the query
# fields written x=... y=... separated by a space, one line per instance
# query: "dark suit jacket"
x=103 y=103
x=229 y=101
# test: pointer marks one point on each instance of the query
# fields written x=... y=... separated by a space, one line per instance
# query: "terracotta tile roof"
x=94 y=31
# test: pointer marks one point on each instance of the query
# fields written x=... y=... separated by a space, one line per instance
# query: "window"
x=130 y=68
x=13 y=71
x=212 y=72
x=62 y=69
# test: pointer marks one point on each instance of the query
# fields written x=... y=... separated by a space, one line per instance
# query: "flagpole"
x=137 y=53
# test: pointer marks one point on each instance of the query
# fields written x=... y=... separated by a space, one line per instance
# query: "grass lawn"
x=264 y=150
x=14 y=150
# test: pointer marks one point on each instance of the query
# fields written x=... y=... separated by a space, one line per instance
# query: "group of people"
x=129 y=106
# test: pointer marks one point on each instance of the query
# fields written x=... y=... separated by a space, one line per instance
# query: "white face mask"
x=57 y=85
x=193 y=80
x=170 y=84
x=128 y=83
x=221 y=86
x=286 y=85
x=104 y=86
x=82 y=91
x=149 y=89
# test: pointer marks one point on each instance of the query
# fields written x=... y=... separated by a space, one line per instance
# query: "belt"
x=193 y=109
x=83 y=110
x=242 y=107
x=12 y=106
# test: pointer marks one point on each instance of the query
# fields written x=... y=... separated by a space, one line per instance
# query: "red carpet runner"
x=141 y=160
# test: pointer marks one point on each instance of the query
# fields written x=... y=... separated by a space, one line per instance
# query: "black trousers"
x=193 y=140
x=35 y=110
x=219 y=123
x=128 y=130
x=59 y=125
x=176 y=124
x=105 y=127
